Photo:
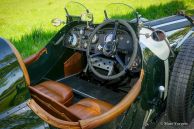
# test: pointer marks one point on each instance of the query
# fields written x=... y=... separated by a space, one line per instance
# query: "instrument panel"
x=77 y=38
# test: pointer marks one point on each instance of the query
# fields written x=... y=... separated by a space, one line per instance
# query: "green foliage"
x=27 y=22
x=32 y=42
x=162 y=10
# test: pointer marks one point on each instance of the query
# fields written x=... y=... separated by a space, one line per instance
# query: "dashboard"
x=78 y=36
x=77 y=39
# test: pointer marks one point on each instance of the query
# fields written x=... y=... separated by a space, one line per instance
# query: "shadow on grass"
x=31 y=43
x=157 y=11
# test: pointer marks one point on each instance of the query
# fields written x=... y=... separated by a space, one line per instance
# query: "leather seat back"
x=52 y=106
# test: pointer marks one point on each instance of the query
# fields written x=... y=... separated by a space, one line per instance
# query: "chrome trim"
x=67 y=77
x=185 y=37
x=82 y=93
x=169 y=33
x=147 y=117
x=157 y=20
x=166 y=65
x=169 y=23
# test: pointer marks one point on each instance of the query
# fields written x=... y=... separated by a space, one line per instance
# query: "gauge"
x=121 y=38
x=95 y=39
x=73 y=40
x=108 y=38
x=85 y=45
x=82 y=31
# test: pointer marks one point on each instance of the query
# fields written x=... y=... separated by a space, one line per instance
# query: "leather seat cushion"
x=87 y=108
x=56 y=91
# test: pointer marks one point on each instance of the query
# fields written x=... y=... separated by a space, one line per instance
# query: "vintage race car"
x=119 y=74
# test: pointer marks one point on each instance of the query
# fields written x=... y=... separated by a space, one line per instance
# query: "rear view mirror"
x=57 y=22
x=158 y=35
x=87 y=17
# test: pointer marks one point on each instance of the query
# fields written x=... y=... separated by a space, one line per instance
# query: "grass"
x=27 y=22
x=33 y=41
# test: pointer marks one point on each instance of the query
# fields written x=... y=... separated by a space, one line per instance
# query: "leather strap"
x=52 y=108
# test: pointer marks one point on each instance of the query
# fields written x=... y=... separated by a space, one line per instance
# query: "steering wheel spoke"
x=115 y=30
x=118 y=59
x=123 y=51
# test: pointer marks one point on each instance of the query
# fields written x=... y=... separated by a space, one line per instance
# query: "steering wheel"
x=110 y=49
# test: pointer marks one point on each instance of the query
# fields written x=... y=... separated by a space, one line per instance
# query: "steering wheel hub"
x=109 y=49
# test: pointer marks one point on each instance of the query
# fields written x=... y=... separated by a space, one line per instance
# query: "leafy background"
x=27 y=22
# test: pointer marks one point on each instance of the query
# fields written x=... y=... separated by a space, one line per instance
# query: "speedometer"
x=73 y=40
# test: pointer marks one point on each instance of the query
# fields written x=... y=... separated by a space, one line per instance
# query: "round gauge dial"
x=108 y=38
x=95 y=39
x=73 y=40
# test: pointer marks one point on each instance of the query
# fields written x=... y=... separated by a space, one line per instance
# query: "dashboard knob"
x=85 y=37
x=85 y=45
x=99 y=47
x=82 y=32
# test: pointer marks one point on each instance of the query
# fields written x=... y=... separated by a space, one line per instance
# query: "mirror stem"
x=106 y=16
x=168 y=44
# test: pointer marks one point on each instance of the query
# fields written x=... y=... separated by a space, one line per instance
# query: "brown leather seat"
x=56 y=91
x=53 y=96
x=87 y=108
x=52 y=89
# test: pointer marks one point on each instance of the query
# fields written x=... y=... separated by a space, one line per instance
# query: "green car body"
x=14 y=92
